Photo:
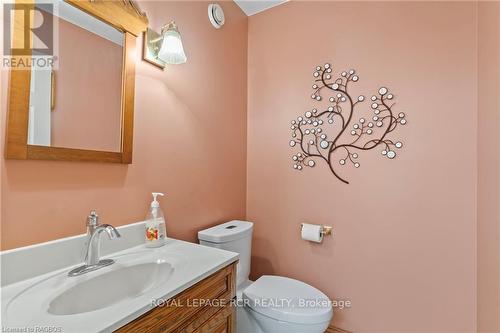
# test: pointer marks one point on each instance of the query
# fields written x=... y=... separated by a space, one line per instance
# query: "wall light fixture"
x=164 y=48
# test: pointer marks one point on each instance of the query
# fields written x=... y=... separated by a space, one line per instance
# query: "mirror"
x=75 y=102
x=79 y=104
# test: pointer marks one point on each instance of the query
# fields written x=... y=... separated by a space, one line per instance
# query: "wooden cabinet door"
x=222 y=322
x=182 y=318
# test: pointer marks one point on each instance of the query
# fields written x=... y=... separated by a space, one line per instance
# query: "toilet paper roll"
x=312 y=232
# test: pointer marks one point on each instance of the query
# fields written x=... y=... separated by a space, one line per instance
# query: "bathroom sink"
x=107 y=288
x=108 y=298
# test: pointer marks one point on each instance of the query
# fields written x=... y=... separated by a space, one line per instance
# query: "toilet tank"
x=235 y=236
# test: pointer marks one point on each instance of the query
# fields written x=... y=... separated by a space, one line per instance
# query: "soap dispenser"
x=155 y=224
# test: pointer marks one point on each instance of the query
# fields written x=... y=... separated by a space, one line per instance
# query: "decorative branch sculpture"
x=311 y=132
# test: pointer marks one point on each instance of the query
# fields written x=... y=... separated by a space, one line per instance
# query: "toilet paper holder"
x=326 y=230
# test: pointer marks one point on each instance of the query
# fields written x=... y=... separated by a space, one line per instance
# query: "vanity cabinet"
x=203 y=308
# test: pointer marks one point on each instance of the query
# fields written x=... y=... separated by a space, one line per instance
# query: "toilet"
x=271 y=304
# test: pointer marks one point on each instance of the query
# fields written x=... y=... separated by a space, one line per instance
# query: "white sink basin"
x=133 y=276
x=111 y=287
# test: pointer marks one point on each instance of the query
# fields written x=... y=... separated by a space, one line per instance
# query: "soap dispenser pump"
x=155 y=224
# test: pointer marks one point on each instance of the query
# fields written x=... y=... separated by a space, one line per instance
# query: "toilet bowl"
x=271 y=304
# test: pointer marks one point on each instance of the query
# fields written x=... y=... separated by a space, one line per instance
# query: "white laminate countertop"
x=25 y=303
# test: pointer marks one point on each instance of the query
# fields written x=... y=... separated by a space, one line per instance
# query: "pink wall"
x=488 y=231
x=87 y=111
x=404 y=249
x=189 y=139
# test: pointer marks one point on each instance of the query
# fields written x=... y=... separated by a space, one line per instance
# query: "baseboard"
x=333 y=329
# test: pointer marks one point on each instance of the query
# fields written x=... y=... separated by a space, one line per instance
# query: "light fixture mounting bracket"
x=151 y=46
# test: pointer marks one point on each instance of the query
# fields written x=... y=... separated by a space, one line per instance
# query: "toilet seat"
x=288 y=300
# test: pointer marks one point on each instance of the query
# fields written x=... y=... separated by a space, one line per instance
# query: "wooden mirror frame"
x=124 y=16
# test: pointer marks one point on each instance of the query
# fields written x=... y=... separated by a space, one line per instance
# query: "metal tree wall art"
x=332 y=135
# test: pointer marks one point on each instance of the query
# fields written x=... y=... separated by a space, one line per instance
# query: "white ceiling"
x=251 y=7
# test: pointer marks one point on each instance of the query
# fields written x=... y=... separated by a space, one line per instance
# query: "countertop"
x=25 y=304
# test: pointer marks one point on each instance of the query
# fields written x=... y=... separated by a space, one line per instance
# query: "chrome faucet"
x=94 y=230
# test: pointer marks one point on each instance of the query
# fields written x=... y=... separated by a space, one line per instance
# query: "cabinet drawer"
x=222 y=322
x=185 y=312
x=207 y=314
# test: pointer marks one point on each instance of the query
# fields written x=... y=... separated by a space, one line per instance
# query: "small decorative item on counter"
x=155 y=224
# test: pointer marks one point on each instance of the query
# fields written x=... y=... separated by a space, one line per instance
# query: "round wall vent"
x=216 y=15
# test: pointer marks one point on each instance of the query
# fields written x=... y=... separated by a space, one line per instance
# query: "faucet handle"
x=93 y=218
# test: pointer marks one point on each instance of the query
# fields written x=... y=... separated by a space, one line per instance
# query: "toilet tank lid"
x=226 y=232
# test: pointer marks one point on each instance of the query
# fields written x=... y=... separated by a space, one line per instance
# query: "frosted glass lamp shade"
x=172 y=51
